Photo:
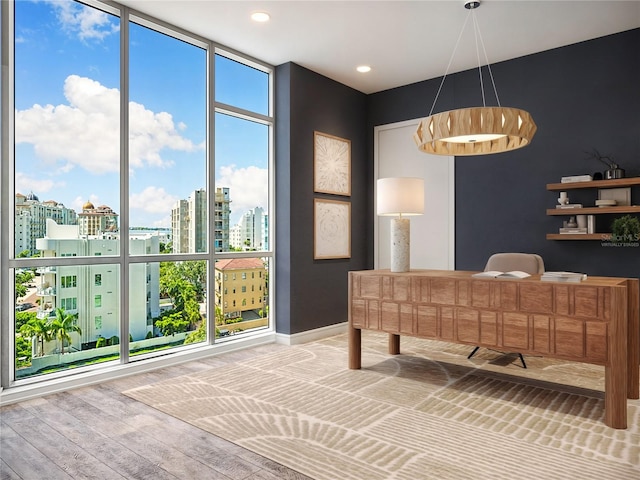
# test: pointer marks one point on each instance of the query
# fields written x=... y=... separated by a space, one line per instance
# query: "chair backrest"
x=525 y=262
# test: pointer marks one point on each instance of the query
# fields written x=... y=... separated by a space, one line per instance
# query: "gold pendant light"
x=475 y=130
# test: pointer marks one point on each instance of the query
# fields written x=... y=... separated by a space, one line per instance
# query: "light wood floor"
x=98 y=433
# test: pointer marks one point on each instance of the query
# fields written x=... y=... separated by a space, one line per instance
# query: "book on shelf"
x=570 y=205
x=573 y=277
x=576 y=178
x=497 y=274
x=565 y=230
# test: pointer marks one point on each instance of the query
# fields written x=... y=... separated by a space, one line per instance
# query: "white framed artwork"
x=332 y=229
x=331 y=164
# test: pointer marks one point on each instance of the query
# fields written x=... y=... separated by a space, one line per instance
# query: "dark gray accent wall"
x=313 y=293
x=582 y=97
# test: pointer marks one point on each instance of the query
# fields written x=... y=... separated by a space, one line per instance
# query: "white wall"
x=432 y=234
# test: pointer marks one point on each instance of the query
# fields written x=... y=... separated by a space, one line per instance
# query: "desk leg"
x=615 y=373
x=615 y=398
x=355 y=348
x=394 y=344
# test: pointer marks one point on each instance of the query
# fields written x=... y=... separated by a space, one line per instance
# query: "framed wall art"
x=332 y=229
x=331 y=164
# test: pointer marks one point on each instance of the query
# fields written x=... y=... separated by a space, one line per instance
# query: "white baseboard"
x=312 y=335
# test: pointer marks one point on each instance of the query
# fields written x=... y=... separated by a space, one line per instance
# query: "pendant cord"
x=475 y=37
x=450 y=61
x=476 y=29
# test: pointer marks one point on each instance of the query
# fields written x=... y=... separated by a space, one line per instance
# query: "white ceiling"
x=403 y=41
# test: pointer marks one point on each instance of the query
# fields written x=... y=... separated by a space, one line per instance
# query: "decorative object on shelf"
x=605 y=203
x=332 y=229
x=572 y=223
x=474 y=130
x=331 y=164
x=591 y=224
x=582 y=221
x=614 y=171
x=576 y=178
x=563 y=199
x=400 y=197
x=621 y=196
x=570 y=205
x=626 y=229
x=573 y=230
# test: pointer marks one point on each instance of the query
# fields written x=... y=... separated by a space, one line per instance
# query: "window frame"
x=124 y=259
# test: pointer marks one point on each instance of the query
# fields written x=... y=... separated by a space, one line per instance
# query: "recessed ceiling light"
x=260 y=17
x=363 y=68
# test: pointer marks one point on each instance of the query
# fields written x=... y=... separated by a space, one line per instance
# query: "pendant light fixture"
x=474 y=130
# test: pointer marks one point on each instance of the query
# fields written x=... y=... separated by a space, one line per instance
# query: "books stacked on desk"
x=573 y=231
x=576 y=178
x=572 y=277
x=570 y=205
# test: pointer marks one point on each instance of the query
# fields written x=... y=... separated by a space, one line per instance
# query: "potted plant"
x=626 y=229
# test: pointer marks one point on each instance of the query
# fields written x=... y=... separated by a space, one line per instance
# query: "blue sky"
x=67 y=115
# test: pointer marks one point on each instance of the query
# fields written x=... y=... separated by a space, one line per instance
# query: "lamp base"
x=400 y=248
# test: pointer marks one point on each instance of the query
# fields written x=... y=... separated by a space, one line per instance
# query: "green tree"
x=63 y=325
x=172 y=322
x=38 y=328
x=198 y=335
x=24 y=254
x=24 y=317
x=22 y=277
x=219 y=315
x=173 y=274
x=23 y=352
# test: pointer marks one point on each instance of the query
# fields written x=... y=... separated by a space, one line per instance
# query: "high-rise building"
x=30 y=220
x=92 y=292
x=221 y=218
x=198 y=218
x=189 y=222
x=251 y=233
x=180 y=227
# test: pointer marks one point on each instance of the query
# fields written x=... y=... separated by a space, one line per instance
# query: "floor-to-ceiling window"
x=136 y=187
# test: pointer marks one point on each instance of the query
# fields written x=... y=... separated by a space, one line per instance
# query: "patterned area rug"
x=428 y=413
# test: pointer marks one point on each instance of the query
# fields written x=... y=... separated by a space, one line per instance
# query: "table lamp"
x=400 y=197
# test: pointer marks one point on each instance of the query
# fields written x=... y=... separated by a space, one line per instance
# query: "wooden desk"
x=596 y=321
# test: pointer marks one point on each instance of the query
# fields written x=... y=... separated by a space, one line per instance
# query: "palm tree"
x=39 y=328
x=62 y=325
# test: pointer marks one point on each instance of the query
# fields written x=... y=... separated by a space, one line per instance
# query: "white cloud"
x=248 y=188
x=152 y=200
x=86 y=131
x=85 y=22
x=26 y=184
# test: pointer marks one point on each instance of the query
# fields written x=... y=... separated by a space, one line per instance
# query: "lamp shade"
x=400 y=196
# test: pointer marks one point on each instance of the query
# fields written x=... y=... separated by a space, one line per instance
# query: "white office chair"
x=505 y=262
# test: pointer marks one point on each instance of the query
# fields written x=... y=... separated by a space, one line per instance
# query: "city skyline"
x=67 y=116
x=131 y=227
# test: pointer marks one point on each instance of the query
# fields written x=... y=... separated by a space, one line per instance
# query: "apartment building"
x=92 y=291
x=241 y=287
x=30 y=220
